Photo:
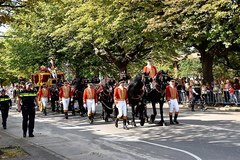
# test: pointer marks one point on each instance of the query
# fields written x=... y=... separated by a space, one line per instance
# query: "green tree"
x=212 y=27
x=114 y=28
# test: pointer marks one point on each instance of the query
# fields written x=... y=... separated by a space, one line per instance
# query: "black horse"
x=135 y=98
x=79 y=84
x=105 y=96
x=155 y=93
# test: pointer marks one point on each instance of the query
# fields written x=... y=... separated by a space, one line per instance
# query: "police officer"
x=5 y=103
x=26 y=104
x=196 y=89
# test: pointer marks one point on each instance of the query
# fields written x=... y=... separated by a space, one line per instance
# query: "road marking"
x=175 y=149
x=136 y=139
x=121 y=138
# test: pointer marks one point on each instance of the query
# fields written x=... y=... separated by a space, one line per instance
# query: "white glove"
x=84 y=105
x=96 y=104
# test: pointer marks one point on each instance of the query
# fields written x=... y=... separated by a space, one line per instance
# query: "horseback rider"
x=90 y=101
x=150 y=69
x=172 y=99
x=121 y=101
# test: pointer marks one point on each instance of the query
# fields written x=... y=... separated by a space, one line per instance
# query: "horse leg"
x=136 y=111
x=103 y=111
x=115 y=111
x=133 y=116
x=161 y=113
x=107 y=114
x=145 y=112
x=142 y=114
x=153 y=116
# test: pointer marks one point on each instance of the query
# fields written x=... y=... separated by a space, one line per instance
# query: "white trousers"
x=54 y=73
x=65 y=102
x=44 y=101
x=91 y=106
x=122 y=109
x=173 y=104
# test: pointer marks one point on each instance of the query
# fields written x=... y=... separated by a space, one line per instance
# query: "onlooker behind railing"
x=233 y=98
x=237 y=89
x=225 y=92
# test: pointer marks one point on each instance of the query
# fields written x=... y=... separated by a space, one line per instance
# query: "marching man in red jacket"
x=65 y=95
x=90 y=101
x=172 y=99
x=43 y=96
x=121 y=101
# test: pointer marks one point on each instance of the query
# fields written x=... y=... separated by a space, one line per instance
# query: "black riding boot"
x=170 y=117
x=66 y=115
x=175 y=118
x=116 y=123
x=92 y=118
x=106 y=118
x=4 y=125
x=125 y=124
x=45 y=111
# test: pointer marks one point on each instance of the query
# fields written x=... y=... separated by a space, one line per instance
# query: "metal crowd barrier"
x=212 y=98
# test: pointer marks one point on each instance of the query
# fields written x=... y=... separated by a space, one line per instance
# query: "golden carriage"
x=45 y=78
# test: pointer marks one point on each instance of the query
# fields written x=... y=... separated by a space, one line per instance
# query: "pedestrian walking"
x=90 y=101
x=121 y=101
x=5 y=104
x=65 y=95
x=44 y=96
x=196 y=90
x=172 y=99
x=26 y=103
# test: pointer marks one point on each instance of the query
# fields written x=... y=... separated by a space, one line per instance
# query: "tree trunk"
x=77 y=72
x=122 y=67
x=207 y=66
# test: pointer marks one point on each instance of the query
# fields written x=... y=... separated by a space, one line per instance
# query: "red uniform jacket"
x=65 y=92
x=152 y=72
x=89 y=94
x=171 y=93
x=44 y=93
x=120 y=94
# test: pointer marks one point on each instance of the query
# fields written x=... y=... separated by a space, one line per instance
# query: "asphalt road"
x=210 y=135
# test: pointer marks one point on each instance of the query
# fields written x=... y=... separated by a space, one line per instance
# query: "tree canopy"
x=211 y=26
x=93 y=37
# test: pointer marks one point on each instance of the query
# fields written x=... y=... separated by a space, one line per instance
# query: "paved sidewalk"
x=33 y=151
